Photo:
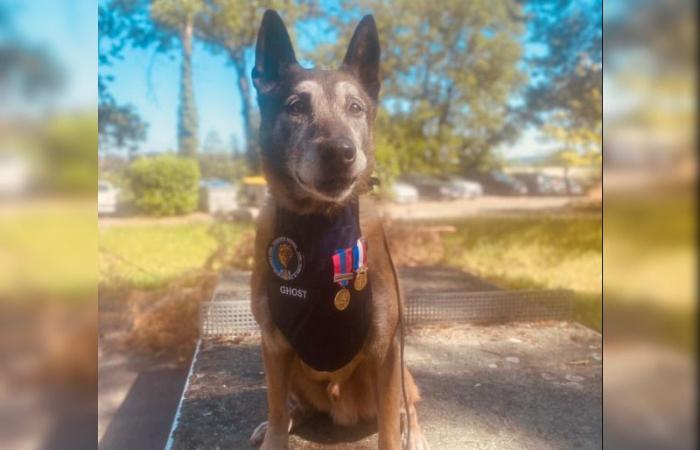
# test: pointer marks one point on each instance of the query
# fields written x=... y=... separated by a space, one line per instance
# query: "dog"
x=342 y=356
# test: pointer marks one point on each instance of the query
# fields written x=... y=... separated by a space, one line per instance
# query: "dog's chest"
x=317 y=286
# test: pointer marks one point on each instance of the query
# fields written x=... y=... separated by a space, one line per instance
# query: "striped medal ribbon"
x=342 y=274
x=359 y=253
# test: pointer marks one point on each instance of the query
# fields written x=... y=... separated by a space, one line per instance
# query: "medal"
x=342 y=274
x=360 y=280
x=359 y=253
x=342 y=299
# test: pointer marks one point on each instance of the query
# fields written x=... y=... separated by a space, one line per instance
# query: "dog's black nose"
x=339 y=151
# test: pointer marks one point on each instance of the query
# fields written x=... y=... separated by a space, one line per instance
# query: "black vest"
x=301 y=290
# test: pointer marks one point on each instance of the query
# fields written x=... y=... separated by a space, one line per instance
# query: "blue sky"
x=68 y=29
x=150 y=81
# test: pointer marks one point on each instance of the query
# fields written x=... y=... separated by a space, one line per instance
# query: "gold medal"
x=360 y=279
x=342 y=299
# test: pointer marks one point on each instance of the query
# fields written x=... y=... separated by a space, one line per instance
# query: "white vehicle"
x=107 y=198
x=14 y=175
x=404 y=193
x=466 y=188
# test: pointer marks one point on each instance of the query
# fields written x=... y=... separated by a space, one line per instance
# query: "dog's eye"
x=355 y=108
x=296 y=107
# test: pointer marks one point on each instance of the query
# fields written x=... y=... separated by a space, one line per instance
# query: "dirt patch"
x=413 y=245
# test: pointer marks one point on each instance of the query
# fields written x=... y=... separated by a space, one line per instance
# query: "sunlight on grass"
x=535 y=252
x=48 y=248
x=149 y=256
x=518 y=252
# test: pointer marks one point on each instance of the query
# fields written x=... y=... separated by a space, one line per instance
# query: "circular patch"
x=285 y=258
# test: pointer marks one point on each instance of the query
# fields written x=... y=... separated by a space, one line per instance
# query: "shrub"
x=165 y=185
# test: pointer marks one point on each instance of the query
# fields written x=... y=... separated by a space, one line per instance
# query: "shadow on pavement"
x=144 y=418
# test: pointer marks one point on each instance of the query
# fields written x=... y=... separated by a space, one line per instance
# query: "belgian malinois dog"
x=324 y=290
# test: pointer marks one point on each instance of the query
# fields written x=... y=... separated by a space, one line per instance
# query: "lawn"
x=150 y=255
x=520 y=252
x=47 y=250
x=562 y=250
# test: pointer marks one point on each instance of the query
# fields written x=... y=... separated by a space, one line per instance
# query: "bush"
x=67 y=155
x=165 y=185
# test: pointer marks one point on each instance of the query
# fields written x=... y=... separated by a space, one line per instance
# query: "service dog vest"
x=312 y=258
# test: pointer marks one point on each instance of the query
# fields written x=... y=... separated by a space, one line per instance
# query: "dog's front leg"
x=388 y=396
x=278 y=362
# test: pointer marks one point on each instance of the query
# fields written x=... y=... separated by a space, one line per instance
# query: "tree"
x=213 y=143
x=566 y=91
x=232 y=26
x=449 y=70
x=27 y=71
x=119 y=125
x=179 y=16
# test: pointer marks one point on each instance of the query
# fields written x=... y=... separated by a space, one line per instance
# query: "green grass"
x=650 y=265
x=519 y=252
x=149 y=256
x=47 y=250
x=535 y=252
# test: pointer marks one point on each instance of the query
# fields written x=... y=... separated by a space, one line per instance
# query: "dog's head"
x=316 y=125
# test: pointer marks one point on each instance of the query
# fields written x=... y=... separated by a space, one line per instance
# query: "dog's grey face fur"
x=316 y=125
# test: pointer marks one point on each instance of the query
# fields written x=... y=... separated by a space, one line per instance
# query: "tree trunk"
x=187 y=113
x=251 y=141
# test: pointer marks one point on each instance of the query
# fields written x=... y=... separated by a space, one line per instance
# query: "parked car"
x=217 y=196
x=107 y=198
x=573 y=186
x=463 y=188
x=542 y=184
x=499 y=183
x=14 y=174
x=430 y=188
x=404 y=193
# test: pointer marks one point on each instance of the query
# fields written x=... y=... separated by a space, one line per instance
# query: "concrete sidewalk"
x=510 y=386
x=137 y=395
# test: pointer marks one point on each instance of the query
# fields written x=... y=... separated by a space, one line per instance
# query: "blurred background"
x=48 y=235
x=650 y=223
x=489 y=148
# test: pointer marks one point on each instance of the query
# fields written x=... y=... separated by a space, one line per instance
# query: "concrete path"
x=510 y=386
x=137 y=396
x=478 y=206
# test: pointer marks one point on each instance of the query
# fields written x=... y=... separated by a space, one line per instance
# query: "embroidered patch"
x=285 y=258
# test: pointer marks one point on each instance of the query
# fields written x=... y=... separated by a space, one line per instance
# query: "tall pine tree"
x=180 y=16
x=187 y=110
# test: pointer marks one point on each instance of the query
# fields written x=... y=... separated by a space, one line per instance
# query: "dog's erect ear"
x=274 y=53
x=362 y=57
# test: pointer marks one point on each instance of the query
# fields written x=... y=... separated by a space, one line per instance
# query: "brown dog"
x=317 y=154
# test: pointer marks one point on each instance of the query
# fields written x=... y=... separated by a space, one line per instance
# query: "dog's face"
x=316 y=125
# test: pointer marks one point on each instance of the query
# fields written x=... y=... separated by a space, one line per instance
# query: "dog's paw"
x=418 y=442
x=256 y=439
x=275 y=444
x=265 y=440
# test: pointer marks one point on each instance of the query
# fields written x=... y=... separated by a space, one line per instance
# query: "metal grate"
x=228 y=314
x=489 y=306
x=227 y=318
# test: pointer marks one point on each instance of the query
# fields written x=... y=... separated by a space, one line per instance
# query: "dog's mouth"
x=332 y=189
